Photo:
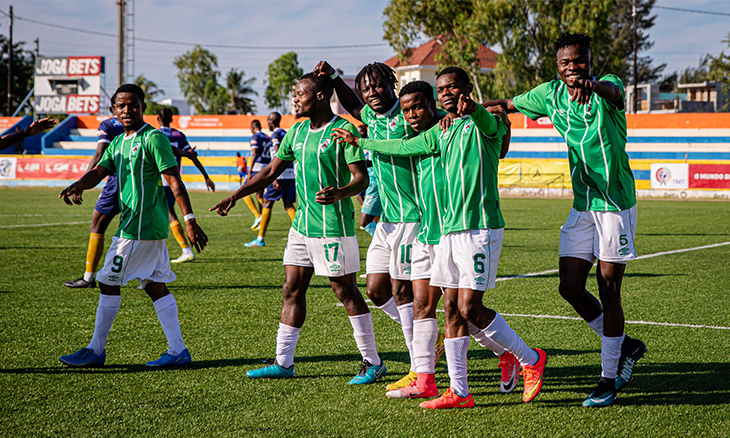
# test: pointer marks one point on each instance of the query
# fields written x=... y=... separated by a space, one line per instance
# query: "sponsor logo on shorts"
x=113 y=277
x=624 y=251
x=480 y=280
x=407 y=271
x=335 y=267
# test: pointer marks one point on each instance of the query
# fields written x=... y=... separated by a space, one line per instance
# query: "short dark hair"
x=567 y=39
x=383 y=71
x=129 y=88
x=422 y=87
x=321 y=83
x=275 y=117
x=255 y=123
x=461 y=74
x=165 y=115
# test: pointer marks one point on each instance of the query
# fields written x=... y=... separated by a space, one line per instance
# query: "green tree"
x=196 y=71
x=22 y=80
x=239 y=90
x=151 y=90
x=525 y=30
x=281 y=76
x=719 y=70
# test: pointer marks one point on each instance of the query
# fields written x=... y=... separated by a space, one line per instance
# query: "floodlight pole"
x=120 y=42
x=636 y=78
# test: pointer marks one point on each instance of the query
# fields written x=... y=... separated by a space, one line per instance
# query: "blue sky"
x=680 y=37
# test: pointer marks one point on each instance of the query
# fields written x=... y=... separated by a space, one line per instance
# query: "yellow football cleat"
x=440 y=348
x=404 y=382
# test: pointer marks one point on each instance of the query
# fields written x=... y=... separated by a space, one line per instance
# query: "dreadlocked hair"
x=379 y=69
x=567 y=39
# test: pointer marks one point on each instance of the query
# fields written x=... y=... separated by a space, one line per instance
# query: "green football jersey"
x=396 y=175
x=470 y=157
x=321 y=162
x=596 y=138
x=431 y=183
x=138 y=160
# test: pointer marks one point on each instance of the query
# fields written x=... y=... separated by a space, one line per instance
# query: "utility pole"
x=120 y=42
x=636 y=74
x=37 y=47
x=10 y=63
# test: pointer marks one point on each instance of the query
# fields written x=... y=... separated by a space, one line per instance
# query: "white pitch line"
x=676 y=251
x=43 y=225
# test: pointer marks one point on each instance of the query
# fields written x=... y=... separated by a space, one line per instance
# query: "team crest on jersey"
x=393 y=123
x=324 y=145
x=135 y=148
x=468 y=126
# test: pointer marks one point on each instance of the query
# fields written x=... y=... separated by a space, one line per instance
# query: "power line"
x=184 y=43
x=696 y=11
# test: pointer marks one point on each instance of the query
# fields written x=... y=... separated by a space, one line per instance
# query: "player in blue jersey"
x=107 y=206
x=180 y=148
x=260 y=158
x=283 y=188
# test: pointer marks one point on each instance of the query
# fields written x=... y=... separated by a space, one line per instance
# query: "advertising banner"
x=68 y=85
x=709 y=176
x=7 y=122
x=541 y=123
x=50 y=168
x=669 y=176
x=7 y=167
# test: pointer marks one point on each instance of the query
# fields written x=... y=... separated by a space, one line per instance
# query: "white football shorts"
x=603 y=235
x=391 y=250
x=422 y=255
x=143 y=260
x=468 y=259
x=330 y=256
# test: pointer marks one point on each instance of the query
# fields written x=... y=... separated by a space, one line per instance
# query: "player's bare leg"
x=573 y=273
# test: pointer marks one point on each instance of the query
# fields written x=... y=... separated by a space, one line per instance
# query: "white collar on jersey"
x=323 y=126
x=390 y=111
x=128 y=136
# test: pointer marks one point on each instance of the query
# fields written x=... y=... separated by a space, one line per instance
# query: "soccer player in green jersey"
x=389 y=254
x=589 y=113
x=138 y=250
x=466 y=257
x=322 y=238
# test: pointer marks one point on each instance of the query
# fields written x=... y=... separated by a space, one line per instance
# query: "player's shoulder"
x=343 y=123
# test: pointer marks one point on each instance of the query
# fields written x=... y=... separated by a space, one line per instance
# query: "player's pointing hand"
x=223 y=207
x=466 y=106
x=344 y=135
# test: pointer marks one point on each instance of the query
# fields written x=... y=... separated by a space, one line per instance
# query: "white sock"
x=362 y=326
x=391 y=309
x=456 y=349
x=503 y=335
x=105 y=314
x=610 y=354
x=286 y=342
x=484 y=341
x=89 y=276
x=425 y=335
x=187 y=251
x=166 y=308
x=597 y=325
x=406 y=320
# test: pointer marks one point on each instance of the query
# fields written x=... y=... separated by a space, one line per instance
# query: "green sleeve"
x=620 y=84
x=285 y=151
x=532 y=104
x=107 y=159
x=365 y=114
x=352 y=154
x=159 y=146
x=486 y=122
x=425 y=144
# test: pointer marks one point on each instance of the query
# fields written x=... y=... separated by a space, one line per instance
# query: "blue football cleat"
x=271 y=371
x=255 y=243
x=83 y=357
x=368 y=373
x=603 y=395
x=168 y=360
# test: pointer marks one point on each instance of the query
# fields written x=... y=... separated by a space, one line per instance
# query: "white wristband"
x=187 y=217
x=334 y=75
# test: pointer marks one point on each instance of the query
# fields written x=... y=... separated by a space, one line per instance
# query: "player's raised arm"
x=90 y=180
x=498 y=110
x=396 y=148
x=506 y=104
x=483 y=120
x=259 y=182
x=347 y=96
x=35 y=128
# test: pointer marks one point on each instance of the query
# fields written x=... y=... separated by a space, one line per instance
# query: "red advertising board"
x=709 y=176
x=541 y=123
x=51 y=168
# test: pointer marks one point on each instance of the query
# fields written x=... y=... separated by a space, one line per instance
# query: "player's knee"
x=290 y=293
x=570 y=290
x=468 y=311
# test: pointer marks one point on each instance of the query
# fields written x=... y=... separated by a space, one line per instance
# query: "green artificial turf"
x=229 y=301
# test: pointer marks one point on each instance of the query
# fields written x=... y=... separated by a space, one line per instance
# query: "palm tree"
x=150 y=88
x=239 y=90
